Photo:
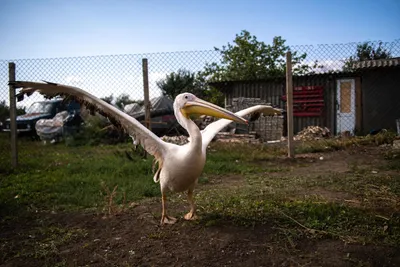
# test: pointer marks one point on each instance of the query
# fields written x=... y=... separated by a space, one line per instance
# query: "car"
x=41 y=110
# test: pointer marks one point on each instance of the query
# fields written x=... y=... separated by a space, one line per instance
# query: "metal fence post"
x=13 y=115
x=289 y=97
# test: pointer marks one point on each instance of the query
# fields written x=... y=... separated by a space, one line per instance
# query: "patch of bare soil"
x=226 y=181
x=135 y=239
x=336 y=161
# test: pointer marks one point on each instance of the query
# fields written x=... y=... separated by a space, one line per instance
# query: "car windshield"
x=40 y=107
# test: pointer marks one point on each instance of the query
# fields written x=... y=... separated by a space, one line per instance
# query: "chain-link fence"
x=340 y=89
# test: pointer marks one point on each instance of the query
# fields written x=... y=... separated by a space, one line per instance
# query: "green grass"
x=59 y=178
x=305 y=217
x=240 y=158
x=293 y=204
x=311 y=205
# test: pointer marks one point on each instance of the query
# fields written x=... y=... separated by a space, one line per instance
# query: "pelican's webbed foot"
x=192 y=213
x=190 y=216
x=165 y=219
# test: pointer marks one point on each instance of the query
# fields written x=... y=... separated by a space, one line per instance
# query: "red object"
x=308 y=101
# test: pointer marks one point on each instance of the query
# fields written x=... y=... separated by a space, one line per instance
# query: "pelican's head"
x=187 y=104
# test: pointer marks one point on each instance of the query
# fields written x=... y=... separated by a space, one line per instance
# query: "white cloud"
x=326 y=65
x=73 y=80
x=135 y=81
x=155 y=76
x=28 y=101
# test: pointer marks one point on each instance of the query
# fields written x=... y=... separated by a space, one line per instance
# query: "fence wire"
x=339 y=89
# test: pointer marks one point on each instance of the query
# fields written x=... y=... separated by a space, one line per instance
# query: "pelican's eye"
x=186 y=96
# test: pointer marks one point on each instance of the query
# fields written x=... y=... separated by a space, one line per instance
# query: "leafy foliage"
x=366 y=51
x=207 y=92
x=121 y=101
x=245 y=59
x=109 y=99
x=250 y=59
x=178 y=82
x=5 y=111
x=182 y=81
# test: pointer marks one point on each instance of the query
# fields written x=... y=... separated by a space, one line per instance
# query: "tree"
x=366 y=51
x=123 y=100
x=246 y=59
x=177 y=82
x=109 y=99
x=185 y=81
x=5 y=111
x=207 y=92
x=249 y=59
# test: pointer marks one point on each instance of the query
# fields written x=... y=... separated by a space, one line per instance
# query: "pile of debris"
x=312 y=133
x=203 y=121
x=227 y=137
x=179 y=139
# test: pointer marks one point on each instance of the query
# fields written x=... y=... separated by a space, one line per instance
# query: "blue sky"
x=65 y=28
x=42 y=36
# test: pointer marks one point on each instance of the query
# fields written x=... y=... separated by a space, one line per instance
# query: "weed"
x=109 y=205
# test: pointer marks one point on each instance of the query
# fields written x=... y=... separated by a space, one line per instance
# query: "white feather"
x=213 y=128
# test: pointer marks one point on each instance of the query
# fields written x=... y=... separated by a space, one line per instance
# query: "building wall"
x=272 y=91
x=268 y=91
x=327 y=119
x=380 y=98
x=377 y=103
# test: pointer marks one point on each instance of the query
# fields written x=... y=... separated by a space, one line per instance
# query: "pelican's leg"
x=165 y=219
x=192 y=213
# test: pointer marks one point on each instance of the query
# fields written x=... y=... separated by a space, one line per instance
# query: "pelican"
x=179 y=167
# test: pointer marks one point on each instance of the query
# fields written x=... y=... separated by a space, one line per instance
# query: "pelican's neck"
x=192 y=129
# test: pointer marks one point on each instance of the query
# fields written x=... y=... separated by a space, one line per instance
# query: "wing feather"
x=147 y=139
x=213 y=128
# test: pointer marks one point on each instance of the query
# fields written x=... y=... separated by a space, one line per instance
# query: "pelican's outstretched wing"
x=149 y=141
x=213 y=128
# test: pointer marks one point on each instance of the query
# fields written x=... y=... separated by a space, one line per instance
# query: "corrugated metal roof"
x=377 y=63
x=161 y=105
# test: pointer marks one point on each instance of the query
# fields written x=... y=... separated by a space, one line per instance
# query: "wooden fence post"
x=289 y=108
x=147 y=117
x=146 y=93
x=13 y=115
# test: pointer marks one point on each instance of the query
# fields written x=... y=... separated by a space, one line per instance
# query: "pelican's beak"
x=202 y=107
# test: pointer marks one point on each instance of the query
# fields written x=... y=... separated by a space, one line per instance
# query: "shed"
x=358 y=102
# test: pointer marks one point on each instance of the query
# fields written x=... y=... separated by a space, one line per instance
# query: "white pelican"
x=179 y=167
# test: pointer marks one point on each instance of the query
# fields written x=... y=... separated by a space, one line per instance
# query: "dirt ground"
x=135 y=238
